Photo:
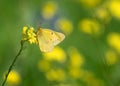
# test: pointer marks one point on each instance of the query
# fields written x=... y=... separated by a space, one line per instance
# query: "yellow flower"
x=49 y=10
x=13 y=78
x=24 y=30
x=29 y=35
x=32 y=36
x=56 y=75
x=91 y=80
x=113 y=40
x=111 y=57
x=65 y=84
x=90 y=3
x=103 y=15
x=44 y=65
x=114 y=8
x=74 y=72
x=57 y=54
x=76 y=58
x=76 y=62
x=90 y=26
x=65 y=25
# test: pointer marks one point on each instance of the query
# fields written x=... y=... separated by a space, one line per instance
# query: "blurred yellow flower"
x=87 y=76
x=97 y=82
x=49 y=10
x=113 y=40
x=111 y=57
x=76 y=58
x=76 y=62
x=89 y=26
x=13 y=78
x=91 y=80
x=114 y=8
x=90 y=3
x=56 y=75
x=44 y=65
x=103 y=15
x=74 y=72
x=65 y=25
x=57 y=54
x=29 y=35
x=63 y=84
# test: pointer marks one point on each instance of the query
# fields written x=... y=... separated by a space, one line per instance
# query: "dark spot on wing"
x=51 y=33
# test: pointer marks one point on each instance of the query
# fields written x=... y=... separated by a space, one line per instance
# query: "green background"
x=15 y=14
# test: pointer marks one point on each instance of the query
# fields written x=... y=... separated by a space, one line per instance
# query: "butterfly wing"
x=48 y=39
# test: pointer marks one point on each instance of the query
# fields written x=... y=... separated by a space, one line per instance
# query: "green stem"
x=13 y=62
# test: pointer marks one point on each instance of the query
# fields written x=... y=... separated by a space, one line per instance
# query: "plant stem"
x=12 y=64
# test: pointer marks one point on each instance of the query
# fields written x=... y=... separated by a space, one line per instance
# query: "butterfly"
x=47 y=39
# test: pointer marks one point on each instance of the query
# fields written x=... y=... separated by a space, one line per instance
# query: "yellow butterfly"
x=47 y=39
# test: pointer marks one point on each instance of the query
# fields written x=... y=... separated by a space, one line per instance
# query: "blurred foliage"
x=89 y=55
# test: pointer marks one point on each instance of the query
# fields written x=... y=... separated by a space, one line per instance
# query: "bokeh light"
x=57 y=54
x=14 y=78
x=111 y=57
x=89 y=26
x=114 y=41
x=113 y=7
x=49 y=10
x=65 y=25
x=90 y=3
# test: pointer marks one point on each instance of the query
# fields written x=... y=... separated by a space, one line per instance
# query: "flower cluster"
x=29 y=35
